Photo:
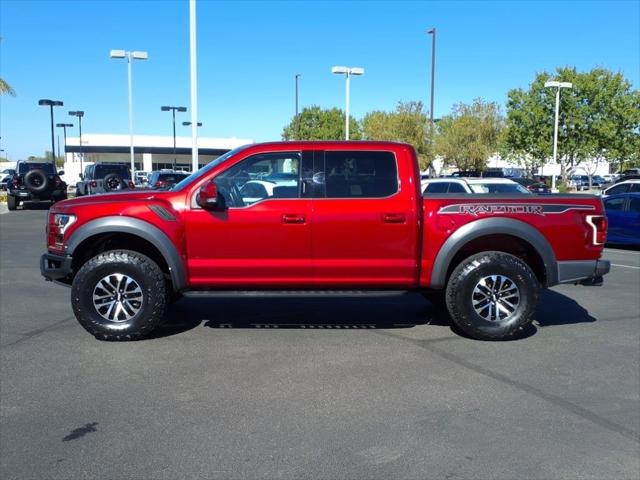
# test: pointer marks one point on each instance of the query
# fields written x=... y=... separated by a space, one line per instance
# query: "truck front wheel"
x=119 y=295
x=492 y=296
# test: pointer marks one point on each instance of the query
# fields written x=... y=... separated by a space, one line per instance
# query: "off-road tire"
x=12 y=202
x=29 y=180
x=136 y=266
x=465 y=277
x=119 y=183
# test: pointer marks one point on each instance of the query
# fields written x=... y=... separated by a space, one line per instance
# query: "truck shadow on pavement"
x=339 y=313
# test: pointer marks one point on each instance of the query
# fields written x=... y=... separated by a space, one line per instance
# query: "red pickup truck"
x=319 y=216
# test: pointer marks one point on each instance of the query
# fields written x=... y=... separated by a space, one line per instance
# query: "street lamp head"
x=77 y=113
x=356 y=71
x=64 y=125
x=117 y=54
x=181 y=109
x=557 y=84
x=339 y=70
x=140 y=55
x=431 y=31
x=186 y=124
x=50 y=103
x=165 y=108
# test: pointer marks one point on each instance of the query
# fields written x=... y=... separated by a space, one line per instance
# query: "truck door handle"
x=293 y=218
x=394 y=218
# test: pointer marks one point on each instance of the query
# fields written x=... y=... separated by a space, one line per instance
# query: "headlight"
x=63 y=221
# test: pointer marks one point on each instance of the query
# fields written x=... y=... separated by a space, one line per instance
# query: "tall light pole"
x=51 y=104
x=557 y=85
x=193 y=77
x=297 y=77
x=64 y=128
x=347 y=72
x=173 y=111
x=432 y=32
x=130 y=56
x=79 y=114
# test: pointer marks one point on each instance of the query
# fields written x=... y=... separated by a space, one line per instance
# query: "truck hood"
x=129 y=197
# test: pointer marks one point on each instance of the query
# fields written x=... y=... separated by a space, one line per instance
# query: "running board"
x=292 y=293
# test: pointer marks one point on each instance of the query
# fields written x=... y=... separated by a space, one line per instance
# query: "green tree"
x=5 y=89
x=408 y=123
x=314 y=123
x=599 y=119
x=469 y=135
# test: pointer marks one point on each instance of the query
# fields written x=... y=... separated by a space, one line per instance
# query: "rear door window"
x=360 y=174
x=437 y=187
x=614 y=203
x=634 y=205
x=456 y=188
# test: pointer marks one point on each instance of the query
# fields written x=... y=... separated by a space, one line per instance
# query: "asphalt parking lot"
x=316 y=388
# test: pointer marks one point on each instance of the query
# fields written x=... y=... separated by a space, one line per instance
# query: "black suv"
x=162 y=179
x=104 y=178
x=34 y=181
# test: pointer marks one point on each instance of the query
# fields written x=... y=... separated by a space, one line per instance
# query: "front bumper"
x=55 y=267
x=585 y=272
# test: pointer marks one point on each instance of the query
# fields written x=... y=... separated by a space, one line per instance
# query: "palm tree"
x=5 y=89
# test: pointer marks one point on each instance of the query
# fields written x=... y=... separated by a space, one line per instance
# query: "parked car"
x=104 y=178
x=532 y=185
x=631 y=171
x=356 y=220
x=628 y=186
x=5 y=177
x=581 y=182
x=609 y=178
x=472 y=185
x=623 y=217
x=165 y=178
x=141 y=177
x=35 y=181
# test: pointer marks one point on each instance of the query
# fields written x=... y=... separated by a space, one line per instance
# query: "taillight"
x=15 y=180
x=160 y=183
x=57 y=180
x=598 y=224
x=131 y=184
x=93 y=183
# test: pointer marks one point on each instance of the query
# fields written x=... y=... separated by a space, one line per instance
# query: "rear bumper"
x=55 y=267
x=586 y=272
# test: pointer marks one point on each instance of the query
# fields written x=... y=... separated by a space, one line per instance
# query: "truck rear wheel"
x=12 y=202
x=119 y=295
x=492 y=296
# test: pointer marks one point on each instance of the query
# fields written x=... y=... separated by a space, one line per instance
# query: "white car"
x=628 y=186
x=471 y=185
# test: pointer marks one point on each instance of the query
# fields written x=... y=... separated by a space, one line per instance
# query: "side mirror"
x=60 y=172
x=208 y=196
x=81 y=176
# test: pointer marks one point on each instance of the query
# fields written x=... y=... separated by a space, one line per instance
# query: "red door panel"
x=263 y=245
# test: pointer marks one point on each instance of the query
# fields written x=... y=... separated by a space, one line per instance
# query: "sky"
x=249 y=52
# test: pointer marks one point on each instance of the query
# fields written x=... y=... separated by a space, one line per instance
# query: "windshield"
x=25 y=167
x=208 y=167
x=498 y=188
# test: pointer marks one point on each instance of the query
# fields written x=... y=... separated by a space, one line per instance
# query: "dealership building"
x=151 y=152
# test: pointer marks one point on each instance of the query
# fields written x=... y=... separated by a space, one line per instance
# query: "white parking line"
x=625 y=266
x=617 y=250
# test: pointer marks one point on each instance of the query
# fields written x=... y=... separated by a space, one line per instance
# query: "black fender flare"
x=140 y=228
x=493 y=226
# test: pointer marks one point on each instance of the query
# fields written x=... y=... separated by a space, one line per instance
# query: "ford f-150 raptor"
x=319 y=216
